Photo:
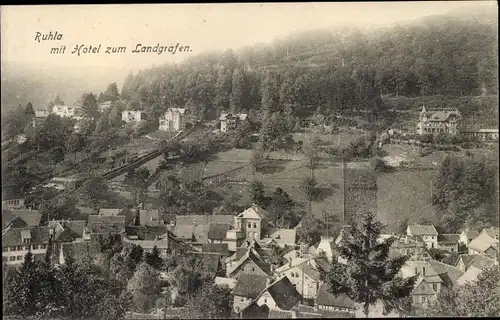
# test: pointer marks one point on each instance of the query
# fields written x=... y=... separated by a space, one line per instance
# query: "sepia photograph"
x=250 y=160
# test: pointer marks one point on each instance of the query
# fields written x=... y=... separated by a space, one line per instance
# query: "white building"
x=173 y=120
x=63 y=111
x=129 y=116
x=428 y=234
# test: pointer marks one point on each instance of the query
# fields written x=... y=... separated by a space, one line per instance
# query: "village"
x=333 y=173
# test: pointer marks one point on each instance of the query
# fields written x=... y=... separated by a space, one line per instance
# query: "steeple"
x=423 y=110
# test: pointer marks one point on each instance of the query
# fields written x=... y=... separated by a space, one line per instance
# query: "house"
x=469 y=276
x=207 y=263
x=217 y=232
x=326 y=248
x=483 y=134
x=109 y=212
x=327 y=301
x=14 y=203
x=162 y=244
x=195 y=228
x=253 y=222
x=150 y=217
x=467 y=236
x=103 y=106
x=281 y=237
x=247 y=246
x=105 y=224
x=40 y=117
x=442 y=120
x=248 y=287
x=466 y=261
x=448 y=242
x=229 y=121
x=17 y=242
x=173 y=120
x=20 y=218
x=486 y=243
x=278 y=296
x=303 y=275
x=63 y=111
x=251 y=262
x=427 y=232
x=414 y=247
x=219 y=248
x=133 y=116
x=68 y=230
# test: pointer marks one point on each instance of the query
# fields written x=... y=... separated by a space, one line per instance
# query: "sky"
x=201 y=27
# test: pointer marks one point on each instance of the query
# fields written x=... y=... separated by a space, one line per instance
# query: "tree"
x=74 y=143
x=29 y=111
x=257 y=192
x=236 y=101
x=309 y=231
x=270 y=93
x=378 y=164
x=256 y=160
x=111 y=92
x=137 y=182
x=280 y=210
x=308 y=186
x=144 y=287
x=222 y=90
x=90 y=107
x=210 y=302
x=475 y=299
x=310 y=148
x=153 y=258
x=369 y=274
x=94 y=191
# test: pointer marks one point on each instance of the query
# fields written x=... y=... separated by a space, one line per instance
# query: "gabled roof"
x=443 y=115
x=448 y=238
x=13 y=236
x=325 y=298
x=250 y=285
x=149 y=217
x=220 y=248
x=469 y=276
x=240 y=116
x=161 y=244
x=109 y=212
x=422 y=286
x=484 y=241
x=442 y=268
x=203 y=219
x=471 y=234
x=480 y=262
x=284 y=293
x=103 y=224
x=29 y=218
x=146 y=232
x=254 y=257
x=217 y=231
x=68 y=230
x=254 y=212
x=492 y=232
x=422 y=229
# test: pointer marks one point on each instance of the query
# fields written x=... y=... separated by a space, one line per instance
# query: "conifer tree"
x=369 y=275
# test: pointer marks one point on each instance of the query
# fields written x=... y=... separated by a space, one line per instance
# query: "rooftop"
x=250 y=285
x=422 y=229
x=325 y=298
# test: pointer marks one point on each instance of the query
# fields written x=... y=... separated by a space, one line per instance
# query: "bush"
x=378 y=164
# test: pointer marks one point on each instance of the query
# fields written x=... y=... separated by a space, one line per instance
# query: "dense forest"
x=328 y=72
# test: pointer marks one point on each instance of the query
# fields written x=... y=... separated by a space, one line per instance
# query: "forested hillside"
x=333 y=71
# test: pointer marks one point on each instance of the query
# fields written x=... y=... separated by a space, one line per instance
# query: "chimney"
x=290 y=263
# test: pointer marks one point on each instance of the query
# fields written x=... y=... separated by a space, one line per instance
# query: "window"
x=242 y=299
x=26 y=240
x=35 y=247
x=19 y=248
x=12 y=258
x=434 y=287
x=423 y=271
x=265 y=300
x=253 y=269
x=249 y=225
x=43 y=246
x=26 y=247
x=18 y=258
x=254 y=225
